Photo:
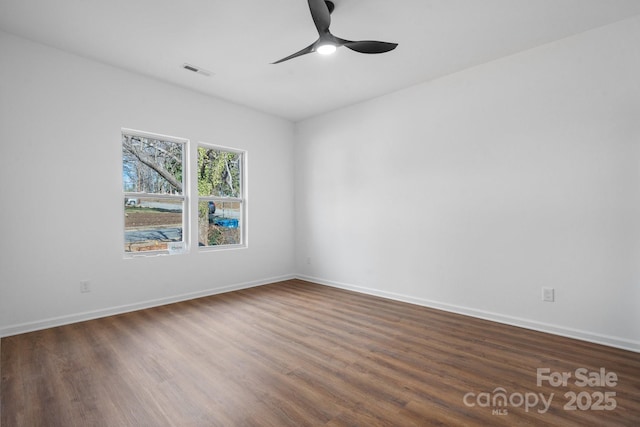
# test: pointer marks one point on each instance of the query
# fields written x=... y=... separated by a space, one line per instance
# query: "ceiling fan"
x=327 y=42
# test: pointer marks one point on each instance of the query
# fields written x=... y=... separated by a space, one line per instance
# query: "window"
x=221 y=201
x=155 y=201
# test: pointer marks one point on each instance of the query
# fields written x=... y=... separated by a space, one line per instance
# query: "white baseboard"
x=593 y=337
x=608 y=340
x=95 y=314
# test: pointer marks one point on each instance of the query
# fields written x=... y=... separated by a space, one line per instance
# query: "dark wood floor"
x=298 y=354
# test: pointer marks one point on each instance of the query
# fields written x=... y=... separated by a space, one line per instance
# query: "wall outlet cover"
x=85 y=286
x=548 y=294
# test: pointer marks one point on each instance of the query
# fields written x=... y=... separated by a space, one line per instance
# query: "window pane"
x=151 y=165
x=218 y=173
x=219 y=223
x=151 y=223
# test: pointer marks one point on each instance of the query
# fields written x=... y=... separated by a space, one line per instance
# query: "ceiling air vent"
x=196 y=69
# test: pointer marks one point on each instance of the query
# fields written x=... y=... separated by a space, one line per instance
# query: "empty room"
x=320 y=213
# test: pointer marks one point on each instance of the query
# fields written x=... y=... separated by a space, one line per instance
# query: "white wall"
x=474 y=191
x=60 y=169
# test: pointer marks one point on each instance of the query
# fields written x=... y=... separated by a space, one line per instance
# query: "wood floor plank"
x=301 y=354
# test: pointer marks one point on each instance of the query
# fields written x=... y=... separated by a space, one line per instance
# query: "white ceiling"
x=239 y=39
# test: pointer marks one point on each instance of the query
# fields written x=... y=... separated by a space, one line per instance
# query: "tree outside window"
x=220 y=196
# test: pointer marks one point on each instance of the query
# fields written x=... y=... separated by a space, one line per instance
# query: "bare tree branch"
x=229 y=176
x=148 y=161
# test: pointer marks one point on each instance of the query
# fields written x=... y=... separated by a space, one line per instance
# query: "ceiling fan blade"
x=320 y=14
x=304 y=51
x=369 y=46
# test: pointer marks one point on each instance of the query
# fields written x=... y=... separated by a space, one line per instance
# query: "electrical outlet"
x=85 y=286
x=548 y=294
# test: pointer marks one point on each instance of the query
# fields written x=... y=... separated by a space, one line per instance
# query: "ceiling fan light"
x=326 y=49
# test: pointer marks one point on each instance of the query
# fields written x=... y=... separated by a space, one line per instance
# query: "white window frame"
x=242 y=199
x=183 y=247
